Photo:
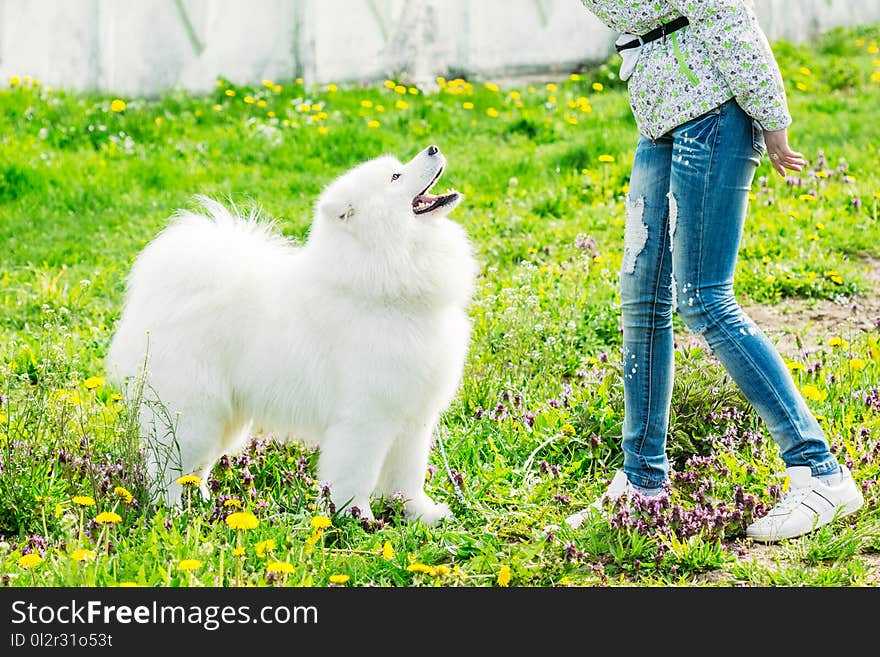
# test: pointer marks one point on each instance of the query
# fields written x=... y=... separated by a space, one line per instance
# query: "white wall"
x=146 y=46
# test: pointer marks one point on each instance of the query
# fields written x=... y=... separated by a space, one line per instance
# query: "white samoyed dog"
x=354 y=342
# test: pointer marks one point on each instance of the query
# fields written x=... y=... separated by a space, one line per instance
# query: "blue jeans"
x=684 y=219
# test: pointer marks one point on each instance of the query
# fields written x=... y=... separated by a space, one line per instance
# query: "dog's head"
x=381 y=219
x=385 y=192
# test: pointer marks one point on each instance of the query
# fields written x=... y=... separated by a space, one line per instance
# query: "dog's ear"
x=339 y=210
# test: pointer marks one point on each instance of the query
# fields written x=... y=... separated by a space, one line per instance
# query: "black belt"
x=656 y=33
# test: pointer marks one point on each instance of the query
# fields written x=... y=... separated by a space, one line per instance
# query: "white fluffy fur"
x=354 y=341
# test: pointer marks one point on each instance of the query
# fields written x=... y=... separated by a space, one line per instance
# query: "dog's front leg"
x=404 y=472
x=349 y=462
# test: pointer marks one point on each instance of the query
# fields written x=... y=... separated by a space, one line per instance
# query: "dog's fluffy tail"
x=199 y=266
x=230 y=219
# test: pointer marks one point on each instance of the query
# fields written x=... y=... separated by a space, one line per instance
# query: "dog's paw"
x=426 y=511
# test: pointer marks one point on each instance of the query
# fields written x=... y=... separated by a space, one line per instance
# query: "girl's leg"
x=646 y=312
x=714 y=158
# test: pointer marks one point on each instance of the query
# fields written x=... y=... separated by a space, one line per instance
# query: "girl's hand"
x=781 y=156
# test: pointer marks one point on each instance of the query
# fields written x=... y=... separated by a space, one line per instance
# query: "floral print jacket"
x=722 y=54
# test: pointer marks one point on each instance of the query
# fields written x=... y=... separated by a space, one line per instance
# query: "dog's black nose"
x=433 y=150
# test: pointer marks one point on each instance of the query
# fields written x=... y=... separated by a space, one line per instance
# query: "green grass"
x=533 y=434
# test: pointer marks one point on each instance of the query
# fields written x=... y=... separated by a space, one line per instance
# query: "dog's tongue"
x=423 y=201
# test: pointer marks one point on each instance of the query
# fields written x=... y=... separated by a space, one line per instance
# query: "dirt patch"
x=800 y=327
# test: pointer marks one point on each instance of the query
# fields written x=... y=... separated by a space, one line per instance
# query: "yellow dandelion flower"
x=69 y=397
x=270 y=114
x=807 y=197
x=230 y=92
x=568 y=429
x=813 y=393
x=117 y=105
x=261 y=103
x=332 y=88
x=59 y=510
x=439 y=571
x=468 y=105
x=598 y=86
x=84 y=500
x=250 y=100
x=93 y=382
x=232 y=502
x=339 y=579
x=821 y=174
x=322 y=130
x=551 y=87
x=299 y=80
x=380 y=108
x=805 y=71
x=107 y=518
x=242 y=520
x=277 y=89
x=373 y=124
x=418 y=568
x=238 y=552
x=399 y=89
x=268 y=84
x=875 y=76
x=801 y=86
x=515 y=95
x=873 y=49
x=572 y=120
x=504 y=576
x=281 y=567
x=390 y=84
x=30 y=560
x=491 y=87
x=770 y=278
x=216 y=108
x=794 y=367
x=552 y=99
x=857 y=364
x=367 y=103
x=321 y=522
x=413 y=91
x=493 y=113
x=14 y=80
x=187 y=565
x=124 y=494
x=837 y=342
x=189 y=480
x=574 y=77
x=401 y=105
x=264 y=546
x=387 y=551
x=606 y=158
x=860 y=42
x=83 y=555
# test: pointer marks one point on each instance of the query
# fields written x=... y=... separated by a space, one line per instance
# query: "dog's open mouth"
x=424 y=202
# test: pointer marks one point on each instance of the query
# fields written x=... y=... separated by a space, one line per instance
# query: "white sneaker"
x=619 y=486
x=808 y=504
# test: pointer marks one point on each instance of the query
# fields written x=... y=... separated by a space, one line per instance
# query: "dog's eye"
x=395 y=177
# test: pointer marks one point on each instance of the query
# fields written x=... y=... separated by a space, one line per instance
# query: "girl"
x=709 y=102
